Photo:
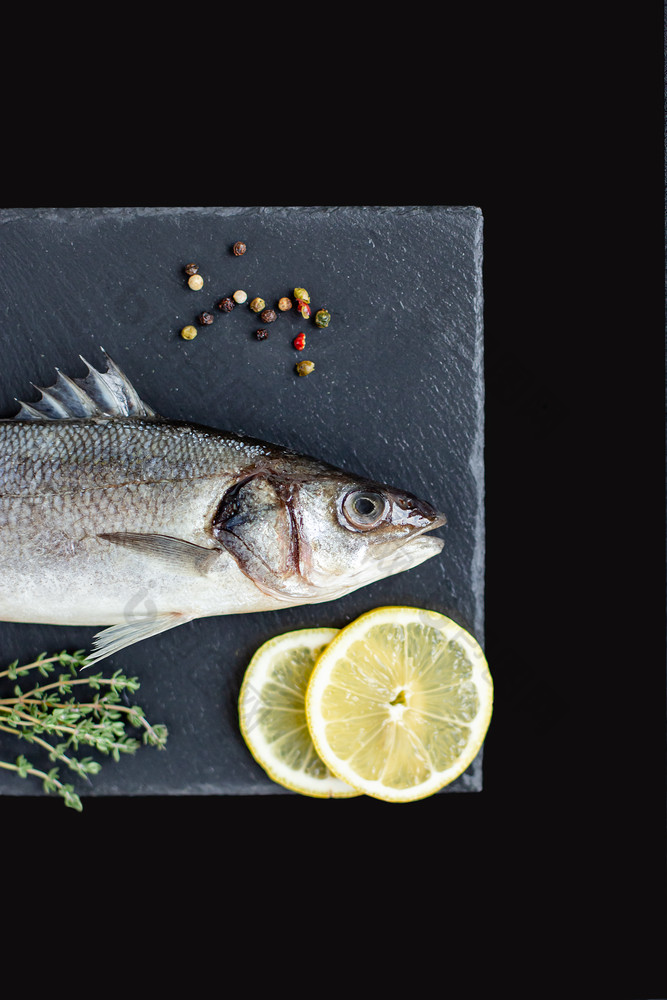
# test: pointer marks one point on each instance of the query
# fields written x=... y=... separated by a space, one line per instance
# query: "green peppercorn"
x=304 y=367
x=189 y=332
x=322 y=317
x=257 y=305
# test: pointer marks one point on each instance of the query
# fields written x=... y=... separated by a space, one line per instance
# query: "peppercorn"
x=191 y=268
x=205 y=318
x=300 y=341
x=188 y=332
x=284 y=304
x=226 y=304
x=195 y=281
x=240 y=296
x=302 y=294
x=304 y=367
x=322 y=317
x=239 y=249
x=303 y=308
x=257 y=305
x=262 y=334
x=268 y=316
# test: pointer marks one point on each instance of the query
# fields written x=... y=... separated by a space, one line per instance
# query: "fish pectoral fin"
x=185 y=557
x=111 y=640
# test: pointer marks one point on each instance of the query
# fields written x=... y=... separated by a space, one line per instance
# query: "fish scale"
x=39 y=459
x=112 y=515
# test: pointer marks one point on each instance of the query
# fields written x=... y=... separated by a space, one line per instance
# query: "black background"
x=551 y=881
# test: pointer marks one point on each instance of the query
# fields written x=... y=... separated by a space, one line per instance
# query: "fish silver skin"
x=112 y=515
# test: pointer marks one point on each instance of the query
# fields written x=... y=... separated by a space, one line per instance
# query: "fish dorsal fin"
x=99 y=394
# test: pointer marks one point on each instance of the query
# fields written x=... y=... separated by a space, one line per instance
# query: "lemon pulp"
x=272 y=714
x=399 y=702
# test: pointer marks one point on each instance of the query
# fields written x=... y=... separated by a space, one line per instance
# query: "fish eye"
x=364 y=509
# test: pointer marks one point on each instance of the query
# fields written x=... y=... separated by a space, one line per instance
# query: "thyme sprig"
x=51 y=716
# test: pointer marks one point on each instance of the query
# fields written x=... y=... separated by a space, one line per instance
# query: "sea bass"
x=112 y=515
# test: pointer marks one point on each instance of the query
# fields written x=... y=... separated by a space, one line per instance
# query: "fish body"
x=111 y=515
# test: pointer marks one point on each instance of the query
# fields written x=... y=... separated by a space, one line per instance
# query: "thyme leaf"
x=68 y=713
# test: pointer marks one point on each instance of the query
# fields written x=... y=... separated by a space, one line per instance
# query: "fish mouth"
x=438 y=520
x=429 y=520
x=411 y=553
x=416 y=549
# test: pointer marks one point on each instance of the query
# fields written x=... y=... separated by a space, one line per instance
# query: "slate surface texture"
x=397 y=394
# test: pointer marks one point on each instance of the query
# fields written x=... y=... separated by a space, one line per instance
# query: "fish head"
x=356 y=532
x=315 y=537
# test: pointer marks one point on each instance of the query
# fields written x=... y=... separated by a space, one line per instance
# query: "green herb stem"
x=51 y=708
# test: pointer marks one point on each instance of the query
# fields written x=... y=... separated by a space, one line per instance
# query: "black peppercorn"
x=268 y=315
x=226 y=304
x=262 y=334
x=191 y=268
x=239 y=249
x=205 y=318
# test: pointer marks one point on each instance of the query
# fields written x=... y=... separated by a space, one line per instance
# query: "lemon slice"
x=272 y=713
x=399 y=703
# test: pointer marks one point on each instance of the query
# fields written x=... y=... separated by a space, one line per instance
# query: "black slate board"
x=397 y=394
